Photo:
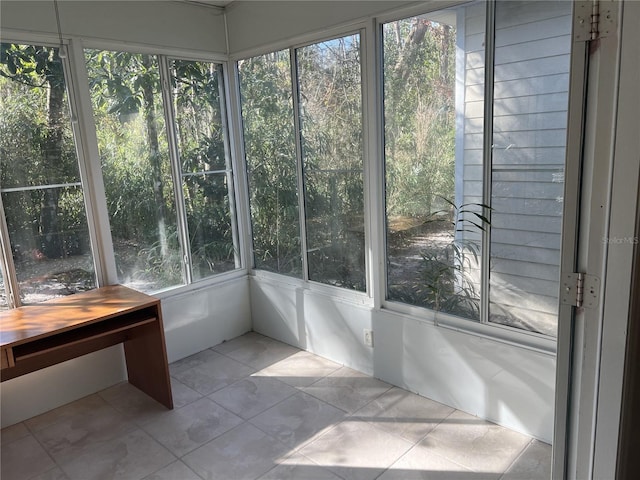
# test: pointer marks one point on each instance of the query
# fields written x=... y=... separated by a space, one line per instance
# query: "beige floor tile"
x=174 y=471
x=191 y=361
x=252 y=395
x=347 y=389
x=55 y=473
x=80 y=429
x=23 y=459
x=136 y=404
x=356 y=450
x=421 y=464
x=533 y=464
x=66 y=413
x=404 y=413
x=185 y=429
x=132 y=456
x=242 y=453
x=300 y=370
x=298 y=419
x=476 y=444
x=132 y=402
x=182 y=395
x=217 y=372
x=298 y=467
x=13 y=433
x=297 y=427
x=261 y=352
x=248 y=339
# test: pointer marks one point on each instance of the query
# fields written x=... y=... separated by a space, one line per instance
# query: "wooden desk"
x=37 y=336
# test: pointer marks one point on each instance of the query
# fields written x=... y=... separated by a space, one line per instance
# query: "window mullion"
x=487 y=159
x=300 y=171
x=233 y=107
x=176 y=170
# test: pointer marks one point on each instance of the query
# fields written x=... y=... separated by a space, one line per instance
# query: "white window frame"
x=86 y=144
x=484 y=328
x=6 y=260
x=361 y=29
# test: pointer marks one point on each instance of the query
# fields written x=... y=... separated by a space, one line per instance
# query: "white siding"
x=530 y=114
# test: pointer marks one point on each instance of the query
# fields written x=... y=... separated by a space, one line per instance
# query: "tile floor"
x=254 y=408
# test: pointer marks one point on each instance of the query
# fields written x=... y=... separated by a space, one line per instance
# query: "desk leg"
x=147 y=366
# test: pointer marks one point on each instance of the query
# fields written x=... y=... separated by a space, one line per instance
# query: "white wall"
x=194 y=320
x=254 y=24
x=155 y=23
x=29 y=395
x=509 y=385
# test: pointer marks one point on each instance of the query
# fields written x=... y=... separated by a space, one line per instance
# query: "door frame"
x=592 y=341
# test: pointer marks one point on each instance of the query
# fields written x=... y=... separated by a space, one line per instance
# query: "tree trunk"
x=51 y=243
x=154 y=157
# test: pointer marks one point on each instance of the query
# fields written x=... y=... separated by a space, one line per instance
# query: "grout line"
x=517 y=457
x=313 y=437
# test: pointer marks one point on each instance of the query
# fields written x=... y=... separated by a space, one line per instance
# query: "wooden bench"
x=38 y=336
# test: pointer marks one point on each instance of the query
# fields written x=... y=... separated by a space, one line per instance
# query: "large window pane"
x=205 y=170
x=330 y=99
x=132 y=140
x=39 y=177
x=529 y=132
x=433 y=111
x=270 y=151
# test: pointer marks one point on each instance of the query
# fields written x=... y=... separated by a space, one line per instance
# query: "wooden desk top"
x=29 y=322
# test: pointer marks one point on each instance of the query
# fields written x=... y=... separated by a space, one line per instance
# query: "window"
x=530 y=90
x=474 y=216
x=270 y=152
x=326 y=160
x=132 y=140
x=330 y=101
x=170 y=211
x=42 y=195
x=205 y=166
x=433 y=239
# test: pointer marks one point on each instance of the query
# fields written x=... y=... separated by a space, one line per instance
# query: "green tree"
x=197 y=93
x=39 y=68
x=269 y=140
x=127 y=84
x=419 y=63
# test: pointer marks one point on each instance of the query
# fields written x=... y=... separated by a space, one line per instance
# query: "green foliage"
x=419 y=67
x=332 y=154
x=32 y=65
x=201 y=139
x=447 y=282
x=156 y=265
x=267 y=114
x=37 y=149
x=128 y=110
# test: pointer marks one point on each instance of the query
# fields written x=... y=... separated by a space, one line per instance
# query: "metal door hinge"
x=580 y=290
x=594 y=19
